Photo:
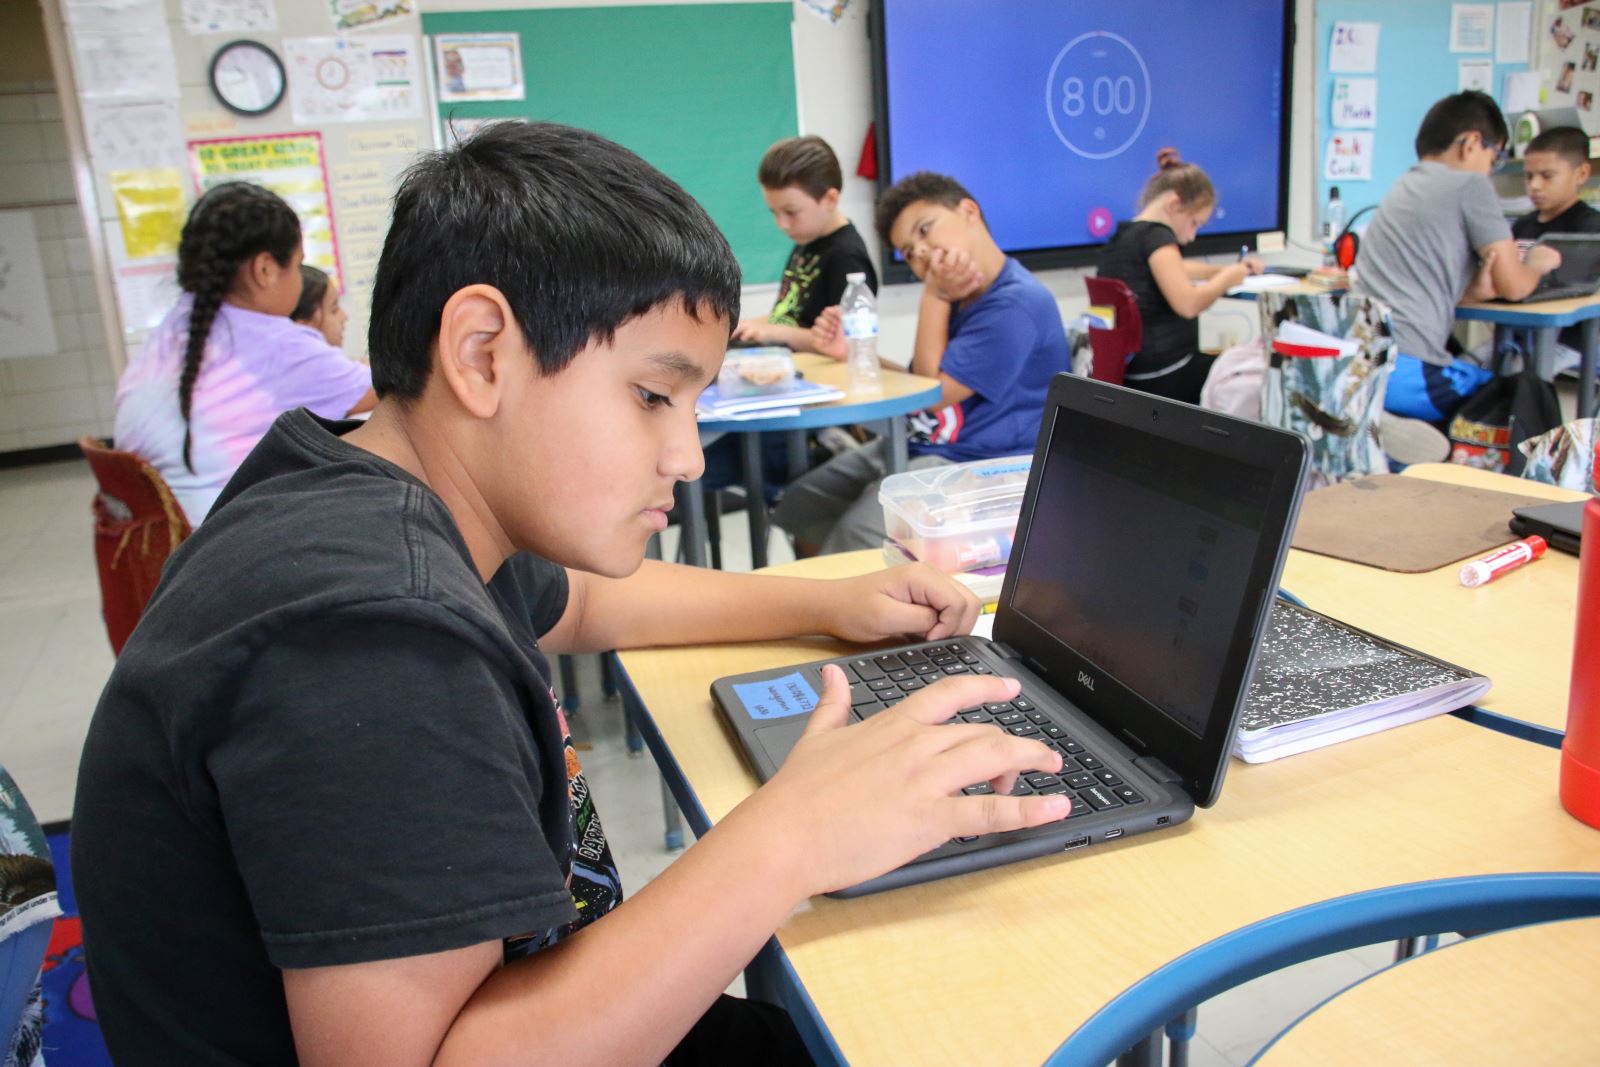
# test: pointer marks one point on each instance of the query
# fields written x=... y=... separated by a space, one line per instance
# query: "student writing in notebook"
x=1144 y=254
x=328 y=773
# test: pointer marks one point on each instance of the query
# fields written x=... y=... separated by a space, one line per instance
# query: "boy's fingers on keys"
x=833 y=710
x=995 y=814
x=994 y=757
x=939 y=701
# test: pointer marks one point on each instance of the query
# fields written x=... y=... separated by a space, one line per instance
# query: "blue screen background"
x=969 y=83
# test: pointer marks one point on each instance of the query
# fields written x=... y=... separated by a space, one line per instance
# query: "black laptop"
x=1147 y=554
x=1579 y=273
x=1561 y=525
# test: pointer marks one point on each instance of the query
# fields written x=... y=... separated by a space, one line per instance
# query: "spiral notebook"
x=1319 y=681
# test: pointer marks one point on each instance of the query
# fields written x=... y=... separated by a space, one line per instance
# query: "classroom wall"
x=50 y=399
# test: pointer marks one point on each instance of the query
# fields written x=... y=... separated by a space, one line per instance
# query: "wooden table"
x=922 y=975
x=1547 y=318
x=901 y=394
x=1517 y=630
x=1522 y=996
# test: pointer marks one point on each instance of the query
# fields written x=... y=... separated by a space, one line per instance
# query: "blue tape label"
x=777 y=698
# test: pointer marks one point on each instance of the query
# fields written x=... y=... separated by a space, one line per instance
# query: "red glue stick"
x=1488 y=568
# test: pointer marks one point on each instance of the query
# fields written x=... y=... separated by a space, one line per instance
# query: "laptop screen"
x=1139 y=559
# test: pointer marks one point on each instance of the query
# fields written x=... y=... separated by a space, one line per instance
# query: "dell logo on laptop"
x=1086 y=681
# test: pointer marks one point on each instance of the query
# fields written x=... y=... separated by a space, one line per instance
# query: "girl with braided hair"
x=227 y=360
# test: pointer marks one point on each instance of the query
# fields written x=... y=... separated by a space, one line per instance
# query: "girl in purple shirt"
x=227 y=360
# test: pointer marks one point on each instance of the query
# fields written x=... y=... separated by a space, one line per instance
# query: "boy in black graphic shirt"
x=800 y=181
x=328 y=811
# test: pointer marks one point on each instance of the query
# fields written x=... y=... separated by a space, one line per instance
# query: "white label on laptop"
x=777 y=698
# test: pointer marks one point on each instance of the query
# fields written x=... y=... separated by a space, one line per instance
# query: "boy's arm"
x=825 y=822
x=1514 y=278
x=1185 y=296
x=669 y=604
x=933 y=337
x=774 y=333
x=1199 y=271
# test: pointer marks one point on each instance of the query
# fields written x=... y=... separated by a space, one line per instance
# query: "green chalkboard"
x=700 y=90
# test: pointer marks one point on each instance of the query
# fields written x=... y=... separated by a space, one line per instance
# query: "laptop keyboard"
x=880 y=682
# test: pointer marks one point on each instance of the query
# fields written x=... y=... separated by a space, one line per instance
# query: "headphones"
x=1346 y=245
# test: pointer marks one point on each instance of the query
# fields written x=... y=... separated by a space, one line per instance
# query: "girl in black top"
x=1171 y=291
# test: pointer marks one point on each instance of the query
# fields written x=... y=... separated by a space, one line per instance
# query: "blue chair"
x=1480 y=903
x=27 y=903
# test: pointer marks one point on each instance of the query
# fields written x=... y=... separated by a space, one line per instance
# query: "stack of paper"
x=1319 y=681
x=712 y=405
x=1256 y=283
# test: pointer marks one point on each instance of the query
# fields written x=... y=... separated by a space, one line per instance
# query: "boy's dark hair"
x=1468 y=112
x=577 y=232
x=228 y=226
x=807 y=163
x=313 y=287
x=1568 y=142
x=923 y=185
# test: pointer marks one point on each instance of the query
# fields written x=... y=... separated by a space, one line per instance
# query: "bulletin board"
x=699 y=90
x=1415 y=67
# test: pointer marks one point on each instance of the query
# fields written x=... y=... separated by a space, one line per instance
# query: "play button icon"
x=1100 y=222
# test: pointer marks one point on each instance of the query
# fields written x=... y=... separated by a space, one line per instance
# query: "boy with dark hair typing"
x=987 y=330
x=328 y=811
x=1555 y=165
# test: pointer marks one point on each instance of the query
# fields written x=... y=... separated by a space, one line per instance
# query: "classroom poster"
x=1355 y=103
x=351 y=14
x=26 y=325
x=479 y=66
x=121 y=49
x=291 y=165
x=230 y=16
x=1354 y=49
x=129 y=134
x=1348 y=157
x=150 y=209
x=1475 y=74
x=1513 y=31
x=146 y=288
x=352 y=79
x=1471 y=27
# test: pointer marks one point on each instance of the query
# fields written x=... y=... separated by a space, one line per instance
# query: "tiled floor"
x=54 y=659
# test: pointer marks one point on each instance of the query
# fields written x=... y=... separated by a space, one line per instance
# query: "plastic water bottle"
x=1332 y=222
x=859 y=310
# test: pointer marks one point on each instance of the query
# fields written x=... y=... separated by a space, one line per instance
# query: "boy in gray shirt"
x=1439 y=238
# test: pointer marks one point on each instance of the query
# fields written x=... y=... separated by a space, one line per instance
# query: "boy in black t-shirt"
x=1555 y=166
x=328 y=811
x=800 y=181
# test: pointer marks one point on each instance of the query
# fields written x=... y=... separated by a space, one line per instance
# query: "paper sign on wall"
x=479 y=66
x=1355 y=103
x=230 y=16
x=127 y=135
x=1513 y=31
x=352 y=79
x=146 y=289
x=1475 y=74
x=1354 y=49
x=26 y=325
x=291 y=165
x=1522 y=92
x=348 y=14
x=1348 y=157
x=150 y=209
x=1471 y=27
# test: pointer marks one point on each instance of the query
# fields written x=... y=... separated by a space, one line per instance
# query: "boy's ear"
x=969 y=209
x=478 y=339
x=830 y=200
x=1583 y=170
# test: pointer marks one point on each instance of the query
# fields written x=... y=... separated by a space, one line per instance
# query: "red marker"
x=1488 y=568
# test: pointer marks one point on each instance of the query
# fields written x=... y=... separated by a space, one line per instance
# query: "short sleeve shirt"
x=1579 y=218
x=256 y=367
x=1168 y=336
x=1419 y=254
x=1005 y=346
x=814 y=277
x=328 y=741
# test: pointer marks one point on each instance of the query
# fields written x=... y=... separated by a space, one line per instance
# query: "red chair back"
x=1114 y=347
x=137 y=525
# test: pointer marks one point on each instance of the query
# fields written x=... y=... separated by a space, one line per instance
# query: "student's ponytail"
x=1173 y=175
x=228 y=226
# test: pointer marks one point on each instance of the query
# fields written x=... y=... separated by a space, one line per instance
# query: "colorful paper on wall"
x=349 y=14
x=832 y=10
x=1354 y=49
x=1471 y=27
x=26 y=325
x=146 y=289
x=291 y=165
x=230 y=16
x=150 y=209
x=479 y=66
x=352 y=79
x=1348 y=157
x=1355 y=103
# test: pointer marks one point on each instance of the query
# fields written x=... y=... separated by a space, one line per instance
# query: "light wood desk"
x=1517 y=630
x=1519 y=996
x=1546 y=318
x=901 y=394
x=921 y=975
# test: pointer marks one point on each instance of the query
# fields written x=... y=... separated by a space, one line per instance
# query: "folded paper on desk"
x=713 y=405
x=1319 y=681
x=1256 y=283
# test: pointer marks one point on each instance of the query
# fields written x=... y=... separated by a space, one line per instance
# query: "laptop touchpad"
x=777 y=741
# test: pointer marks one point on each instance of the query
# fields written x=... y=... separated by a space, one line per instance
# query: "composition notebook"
x=1319 y=681
x=712 y=405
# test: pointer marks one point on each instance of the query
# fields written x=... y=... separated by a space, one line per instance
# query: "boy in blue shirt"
x=987 y=330
x=328 y=811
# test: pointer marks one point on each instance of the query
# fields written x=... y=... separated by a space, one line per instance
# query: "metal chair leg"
x=568 y=669
x=673 y=819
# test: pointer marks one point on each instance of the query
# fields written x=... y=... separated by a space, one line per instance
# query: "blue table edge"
x=819 y=415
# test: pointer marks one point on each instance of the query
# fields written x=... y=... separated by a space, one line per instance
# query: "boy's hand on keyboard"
x=852 y=803
x=914 y=600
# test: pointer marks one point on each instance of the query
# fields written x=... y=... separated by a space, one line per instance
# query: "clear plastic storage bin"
x=956 y=518
x=755 y=371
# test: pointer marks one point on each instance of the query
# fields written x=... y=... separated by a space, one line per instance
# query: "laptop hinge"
x=1157 y=770
x=1006 y=651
